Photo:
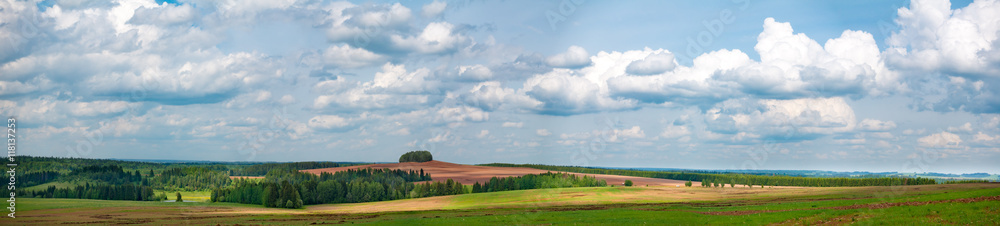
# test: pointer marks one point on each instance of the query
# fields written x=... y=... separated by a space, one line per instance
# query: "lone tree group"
x=416 y=156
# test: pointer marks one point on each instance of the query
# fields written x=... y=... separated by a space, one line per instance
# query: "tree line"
x=967 y=181
x=293 y=189
x=536 y=181
x=101 y=191
x=437 y=188
x=743 y=179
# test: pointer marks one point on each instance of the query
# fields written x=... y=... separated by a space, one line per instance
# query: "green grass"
x=197 y=196
x=535 y=196
x=29 y=204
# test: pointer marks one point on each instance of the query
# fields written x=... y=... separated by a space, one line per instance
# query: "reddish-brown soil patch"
x=468 y=174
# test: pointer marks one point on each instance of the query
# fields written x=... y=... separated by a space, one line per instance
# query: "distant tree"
x=688 y=184
x=179 y=197
x=628 y=183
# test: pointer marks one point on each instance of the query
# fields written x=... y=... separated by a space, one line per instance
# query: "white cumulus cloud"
x=942 y=140
x=434 y=9
x=574 y=57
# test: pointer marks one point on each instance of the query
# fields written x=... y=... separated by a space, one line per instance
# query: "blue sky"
x=835 y=85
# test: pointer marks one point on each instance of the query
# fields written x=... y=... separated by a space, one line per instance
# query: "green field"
x=189 y=196
x=976 y=204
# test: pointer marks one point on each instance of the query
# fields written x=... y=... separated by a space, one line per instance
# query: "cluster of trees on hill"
x=416 y=156
x=101 y=191
x=743 y=179
x=292 y=189
x=535 y=181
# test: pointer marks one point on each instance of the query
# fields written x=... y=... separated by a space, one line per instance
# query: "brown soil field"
x=469 y=174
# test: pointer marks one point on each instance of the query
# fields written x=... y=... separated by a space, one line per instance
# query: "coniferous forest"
x=292 y=189
x=536 y=181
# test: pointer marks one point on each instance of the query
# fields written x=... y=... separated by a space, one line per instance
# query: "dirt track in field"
x=468 y=174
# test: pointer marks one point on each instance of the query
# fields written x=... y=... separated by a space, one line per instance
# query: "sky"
x=905 y=86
